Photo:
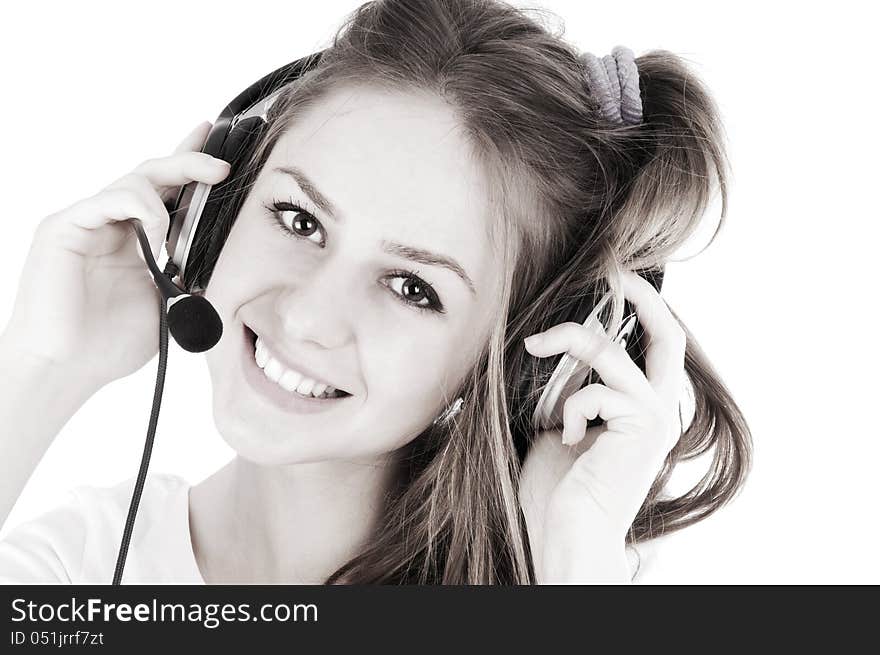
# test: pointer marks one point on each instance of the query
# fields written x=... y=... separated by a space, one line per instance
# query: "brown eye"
x=303 y=224
x=295 y=222
x=413 y=291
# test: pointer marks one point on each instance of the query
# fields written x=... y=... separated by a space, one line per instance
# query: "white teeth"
x=273 y=370
x=291 y=381
x=262 y=356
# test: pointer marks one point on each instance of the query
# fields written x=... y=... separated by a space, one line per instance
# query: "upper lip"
x=293 y=363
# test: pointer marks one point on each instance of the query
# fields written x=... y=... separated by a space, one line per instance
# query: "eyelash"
x=277 y=207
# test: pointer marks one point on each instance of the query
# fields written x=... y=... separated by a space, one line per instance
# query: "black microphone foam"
x=194 y=324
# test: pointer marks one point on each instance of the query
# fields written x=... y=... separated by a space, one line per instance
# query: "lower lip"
x=289 y=401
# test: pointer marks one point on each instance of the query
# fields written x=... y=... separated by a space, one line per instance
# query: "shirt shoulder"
x=77 y=542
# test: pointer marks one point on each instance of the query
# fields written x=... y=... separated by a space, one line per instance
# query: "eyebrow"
x=310 y=190
x=419 y=255
x=430 y=258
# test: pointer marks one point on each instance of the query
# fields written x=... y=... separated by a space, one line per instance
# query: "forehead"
x=396 y=165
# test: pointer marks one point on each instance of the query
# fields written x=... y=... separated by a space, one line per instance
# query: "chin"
x=260 y=438
x=265 y=446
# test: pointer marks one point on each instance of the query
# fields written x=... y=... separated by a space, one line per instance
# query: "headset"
x=196 y=326
x=571 y=374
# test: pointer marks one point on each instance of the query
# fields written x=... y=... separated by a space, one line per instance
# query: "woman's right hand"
x=86 y=302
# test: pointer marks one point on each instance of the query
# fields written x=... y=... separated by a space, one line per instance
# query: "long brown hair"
x=577 y=200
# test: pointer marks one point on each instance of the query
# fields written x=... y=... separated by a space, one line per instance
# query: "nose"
x=314 y=309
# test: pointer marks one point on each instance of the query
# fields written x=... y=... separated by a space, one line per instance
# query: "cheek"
x=228 y=270
x=411 y=375
x=239 y=270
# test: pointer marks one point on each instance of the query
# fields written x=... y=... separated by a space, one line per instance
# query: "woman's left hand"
x=595 y=501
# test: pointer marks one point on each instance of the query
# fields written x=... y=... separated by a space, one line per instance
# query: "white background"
x=784 y=301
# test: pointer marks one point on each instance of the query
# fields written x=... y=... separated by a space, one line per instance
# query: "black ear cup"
x=237 y=150
x=223 y=202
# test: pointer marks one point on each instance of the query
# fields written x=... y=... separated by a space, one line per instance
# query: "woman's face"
x=360 y=260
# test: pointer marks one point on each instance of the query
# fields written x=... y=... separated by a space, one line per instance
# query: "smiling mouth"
x=289 y=380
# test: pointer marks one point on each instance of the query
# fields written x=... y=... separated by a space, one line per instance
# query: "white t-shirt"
x=78 y=541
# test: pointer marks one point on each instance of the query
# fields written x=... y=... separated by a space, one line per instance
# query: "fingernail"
x=534 y=340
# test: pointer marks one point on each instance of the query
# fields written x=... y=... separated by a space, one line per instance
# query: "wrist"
x=26 y=370
x=599 y=560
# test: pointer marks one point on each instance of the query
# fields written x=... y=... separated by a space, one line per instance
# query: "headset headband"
x=253 y=102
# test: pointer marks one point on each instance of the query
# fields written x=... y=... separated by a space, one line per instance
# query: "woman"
x=449 y=180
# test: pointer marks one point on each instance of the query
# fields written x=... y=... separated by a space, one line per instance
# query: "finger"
x=108 y=207
x=195 y=140
x=85 y=242
x=594 y=400
x=173 y=171
x=666 y=339
x=95 y=226
x=155 y=225
x=192 y=142
x=116 y=204
x=591 y=345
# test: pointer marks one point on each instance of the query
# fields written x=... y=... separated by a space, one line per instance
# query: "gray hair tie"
x=614 y=82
